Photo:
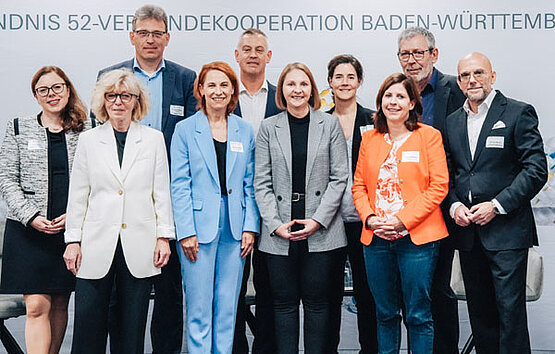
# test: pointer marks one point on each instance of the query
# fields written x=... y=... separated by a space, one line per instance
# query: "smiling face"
x=396 y=104
x=252 y=54
x=344 y=82
x=297 y=89
x=149 y=48
x=217 y=90
x=478 y=77
x=120 y=110
x=419 y=70
x=53 y=103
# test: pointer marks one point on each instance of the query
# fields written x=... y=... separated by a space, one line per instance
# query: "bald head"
x=475 y=78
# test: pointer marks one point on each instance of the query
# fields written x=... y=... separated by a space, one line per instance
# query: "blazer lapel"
x=237 y=110
x=232 y=136
x=132 y=146
x=440 y=104
x=203 y=137
x=168 y=78
x=315 y=129
x=284 y=139
x=110 y=155
x=494 y=114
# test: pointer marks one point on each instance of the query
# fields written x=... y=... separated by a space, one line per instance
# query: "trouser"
x=401 y=272
x=366 y=309
x=495 y=285
x=212 y=285
x=92 y=298
x=305 y=276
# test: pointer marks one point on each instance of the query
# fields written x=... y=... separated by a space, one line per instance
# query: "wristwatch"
x=496 y=210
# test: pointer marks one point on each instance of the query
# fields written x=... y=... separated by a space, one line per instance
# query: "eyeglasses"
x=479 y=75
x=58 y=88
x=417 y=54
x=124 y=97
x=155 y=34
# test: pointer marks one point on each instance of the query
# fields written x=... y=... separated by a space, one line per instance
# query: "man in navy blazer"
x=171 y=90
x=497 y=165
x=256 y=102
x=440 y=96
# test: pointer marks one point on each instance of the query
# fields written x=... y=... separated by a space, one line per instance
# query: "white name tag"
x=410 y=156
x=495 y=142
x=236 y=146
x=177 y=110
x=34 y=145
x=365 y=128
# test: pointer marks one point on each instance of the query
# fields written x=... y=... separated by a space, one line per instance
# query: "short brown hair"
x=380 y=121
x=120 y=79
x=313 y=101
x=74 y=113
x=228 y=71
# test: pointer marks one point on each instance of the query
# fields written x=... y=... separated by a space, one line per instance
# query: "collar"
x=242 y=88
x=136 y=67
x=484 y=105
x=431 y=85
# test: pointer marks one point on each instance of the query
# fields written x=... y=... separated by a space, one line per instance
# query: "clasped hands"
x=309 y=227
x=387 y=228
x=190 y=245
x=480 y=214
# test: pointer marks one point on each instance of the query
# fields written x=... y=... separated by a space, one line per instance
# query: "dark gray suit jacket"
x=177 y=90
x=512 y=174
x=448 y=97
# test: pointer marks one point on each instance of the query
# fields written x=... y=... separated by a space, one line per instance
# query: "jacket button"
x=317 y=193
x=124 y=226
x=120 y=192
x=401 y=180
x=229 y=191
x=405 y=201
x=279 y=198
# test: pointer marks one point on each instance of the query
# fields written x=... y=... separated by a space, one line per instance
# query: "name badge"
x=236 y=146
x=495 y=142
x=410 y=156
x=176 y=110
x=365 y=128
x=34 y=145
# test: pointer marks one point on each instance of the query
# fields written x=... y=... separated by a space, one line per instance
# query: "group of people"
x=185 y=176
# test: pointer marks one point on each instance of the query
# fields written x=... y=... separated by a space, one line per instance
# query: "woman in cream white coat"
x=119 y=218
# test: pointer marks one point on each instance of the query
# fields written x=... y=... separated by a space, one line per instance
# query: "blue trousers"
x=212 y=286
x=400 y=271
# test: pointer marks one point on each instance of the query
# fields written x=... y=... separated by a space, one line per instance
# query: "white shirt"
x=474 y=123
x=253 y=108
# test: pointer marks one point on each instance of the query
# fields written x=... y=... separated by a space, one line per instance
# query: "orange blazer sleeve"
x=424 y=203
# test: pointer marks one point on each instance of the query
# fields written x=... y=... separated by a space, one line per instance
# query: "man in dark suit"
x=440 y=96
x=256 y=102
x=497 y=165
x=171 y=91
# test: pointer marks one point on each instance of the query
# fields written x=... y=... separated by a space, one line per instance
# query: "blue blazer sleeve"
x=252 y=215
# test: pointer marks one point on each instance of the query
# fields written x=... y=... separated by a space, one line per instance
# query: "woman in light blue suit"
x=216 y=218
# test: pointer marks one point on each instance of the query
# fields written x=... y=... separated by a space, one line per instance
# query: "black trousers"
x=445 y=310
x=166 y=327
x=305 y=276
x=92 y=298
x=264 y=339
x=495 y=284
x=366 y=309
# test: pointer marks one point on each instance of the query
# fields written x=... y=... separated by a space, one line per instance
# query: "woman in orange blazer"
x=400 y=181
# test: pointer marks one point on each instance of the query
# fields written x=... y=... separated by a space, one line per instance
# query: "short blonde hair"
x=313 y=101
x=119 y=79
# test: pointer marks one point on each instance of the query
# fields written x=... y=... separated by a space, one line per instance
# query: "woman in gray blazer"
x=35 y=164
x=300 y=174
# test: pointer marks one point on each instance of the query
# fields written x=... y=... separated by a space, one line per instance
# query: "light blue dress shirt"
x=154 y=83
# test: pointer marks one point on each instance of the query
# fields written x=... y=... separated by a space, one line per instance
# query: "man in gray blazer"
x=171 y=91
x=440 y=96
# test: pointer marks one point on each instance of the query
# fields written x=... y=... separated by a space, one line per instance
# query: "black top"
x=58 y=171
x=120 y=143
x=221 y=150
x=298 y=128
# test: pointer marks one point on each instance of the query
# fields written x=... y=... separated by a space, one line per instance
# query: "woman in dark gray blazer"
x=300 y=174
x=35 y=164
